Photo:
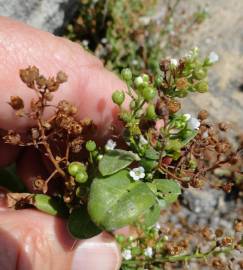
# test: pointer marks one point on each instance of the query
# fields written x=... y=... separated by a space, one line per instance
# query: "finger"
x=28 y=238
x=29 y=166
x=89 y=85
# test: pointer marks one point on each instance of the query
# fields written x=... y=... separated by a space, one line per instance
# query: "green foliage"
x=80 y=224
x=115 y=160
x=115 y=202
x=130 y=32
x=50 y=205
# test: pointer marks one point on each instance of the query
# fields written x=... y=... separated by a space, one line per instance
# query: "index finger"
x=89 y=84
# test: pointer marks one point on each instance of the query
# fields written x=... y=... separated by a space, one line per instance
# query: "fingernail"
x=100 y=252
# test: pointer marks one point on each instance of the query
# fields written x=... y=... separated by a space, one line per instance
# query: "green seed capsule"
x=199 y=73
x=138 y=81
x=90 y=145
x=126 y=74
x=118 y=97
x=145 y=77
x=150 y=112
x=75 y=167
x=81 y=177
x=202 y=87
x=148 y=93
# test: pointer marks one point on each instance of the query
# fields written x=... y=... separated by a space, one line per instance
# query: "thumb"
x=29 y=238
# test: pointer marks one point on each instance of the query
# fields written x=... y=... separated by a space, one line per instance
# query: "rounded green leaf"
x=49 y=205
x=115 y=202
x=116 y=160
x=169 y=189
x=80 y=225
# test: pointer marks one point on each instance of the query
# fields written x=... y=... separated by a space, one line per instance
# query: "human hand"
x=30 y=239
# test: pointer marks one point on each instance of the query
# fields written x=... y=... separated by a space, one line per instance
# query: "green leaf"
x=187 y=136
x=10 y=180
x=150 y=153
x=115 y=202
x=80 y=225
x=50 y=205
x=148 y=164
x=116 y=160
x=169 y=189
x=152 y=215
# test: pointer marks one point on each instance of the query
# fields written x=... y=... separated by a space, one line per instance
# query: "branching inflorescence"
x=102 y=187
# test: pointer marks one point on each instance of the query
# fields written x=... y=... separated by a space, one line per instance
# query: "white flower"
x=142 y=140
x=127 y=254
x=157 y=226
x=85 y=42
x=145 y=20
x=148 y=252
x=213 y=57
x=193 y=123
x=134 y=62
x=137 y=173
x=174 y=62
x=104 y=40
x=110 y=145
x=187 y=116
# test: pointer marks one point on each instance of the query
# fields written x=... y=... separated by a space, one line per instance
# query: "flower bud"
x=118 y=97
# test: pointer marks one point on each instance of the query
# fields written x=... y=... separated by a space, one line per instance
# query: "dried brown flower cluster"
x=58 y=137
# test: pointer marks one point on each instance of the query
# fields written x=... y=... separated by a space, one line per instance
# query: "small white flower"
x=148 y=252
x=110 y=145
x=104 y=40
x=137 y=173
x=145 y=20
x=174 y=62
x=85 y=42
x=213 y=57
x=127 y=254
x=134 y=62
x=187 y=116
x=142 y=140
x=193 y=123
x=157 y=226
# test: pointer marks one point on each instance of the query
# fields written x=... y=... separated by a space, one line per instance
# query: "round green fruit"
x=126 y=74
x=148 y=93
x=75 y=167
x=118 y=97
x=90 y=145
x=81 y=177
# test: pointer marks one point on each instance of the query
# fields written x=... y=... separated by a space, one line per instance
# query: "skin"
x=29 y=238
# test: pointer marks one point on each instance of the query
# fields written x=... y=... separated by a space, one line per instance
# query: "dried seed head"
x=41 y=81
x=182 y=83
x=202 y=115
x=29 y=75
x=223 y=126
x=61 y=77
x=219 y=232
x=16 y=103
x=12 y=138
x=174 y=106
x=51 y=84
x=238 y=226
x=227 y=241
